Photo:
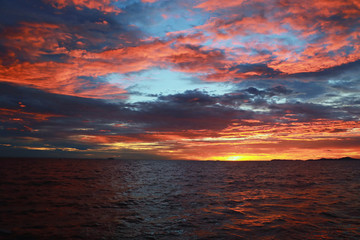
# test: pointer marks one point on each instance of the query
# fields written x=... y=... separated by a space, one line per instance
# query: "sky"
x=180 y=79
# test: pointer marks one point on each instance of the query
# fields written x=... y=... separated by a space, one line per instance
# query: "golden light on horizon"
x=239 y=158
x=235 y=158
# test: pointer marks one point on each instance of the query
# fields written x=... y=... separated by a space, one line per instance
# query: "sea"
x=163 y=199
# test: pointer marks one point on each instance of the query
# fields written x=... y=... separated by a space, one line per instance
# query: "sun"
x=243 y=157
x=235 y=158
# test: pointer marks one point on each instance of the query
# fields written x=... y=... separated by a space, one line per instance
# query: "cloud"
x=172 y=125
x=270 y=92
x=149 y=1
x=287 y=72
x=44 y=50
x=310 y=111
x=213 y=5
x=191 y=97
x=80 y=51
x=324 y=33
x=334 y=72
x=101 y=5
x=61 y=78
x=258 y=70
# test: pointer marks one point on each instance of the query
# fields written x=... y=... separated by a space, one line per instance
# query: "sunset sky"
x=180 y=79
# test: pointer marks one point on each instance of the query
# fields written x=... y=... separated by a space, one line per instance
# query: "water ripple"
x=95 y=199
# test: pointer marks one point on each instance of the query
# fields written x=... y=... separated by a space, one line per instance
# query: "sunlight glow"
x=239 y=158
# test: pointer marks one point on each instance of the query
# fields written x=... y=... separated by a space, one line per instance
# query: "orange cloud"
x=310 y=18
x=213 y=5
x=31 y=40
x=182 y=51
x=245 y=140
x=60 y=78
x=302 y=20
x=35 y=40
x=229 y=28
x=149 y=1
x=101 y=5
x=24 y=118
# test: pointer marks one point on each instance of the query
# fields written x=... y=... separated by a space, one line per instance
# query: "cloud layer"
x=259 y=80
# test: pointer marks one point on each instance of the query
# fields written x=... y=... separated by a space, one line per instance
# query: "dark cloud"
x=43 y=102
x=161 y=116
x=189 y=110
x=342 y=142
x=35 y=119
x=269 y=92
x=309 y=111
x=337 y=72
x=190 y=97
x=279 y=90
x=56 y=117
x=254 y=91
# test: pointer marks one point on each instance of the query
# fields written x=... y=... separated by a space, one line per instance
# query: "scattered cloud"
x=286 y=71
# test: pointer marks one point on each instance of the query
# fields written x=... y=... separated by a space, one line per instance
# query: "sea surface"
x=146 y=199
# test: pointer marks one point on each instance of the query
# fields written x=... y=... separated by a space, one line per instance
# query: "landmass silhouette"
x=322 y=159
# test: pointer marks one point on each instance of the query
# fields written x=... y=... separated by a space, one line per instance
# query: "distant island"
x=335 y=159
x=322 y=159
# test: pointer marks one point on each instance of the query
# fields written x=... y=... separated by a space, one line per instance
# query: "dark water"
x=110 y=199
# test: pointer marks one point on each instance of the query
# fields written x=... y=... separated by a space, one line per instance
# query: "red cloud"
x=101 y=5
x=31 y=40
x=21 y=114
x=213 y=5
x=182 y=51
x=227 y=29
x=245 y=138
x=330 y=22
x=149 y=1
x=60 y=78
